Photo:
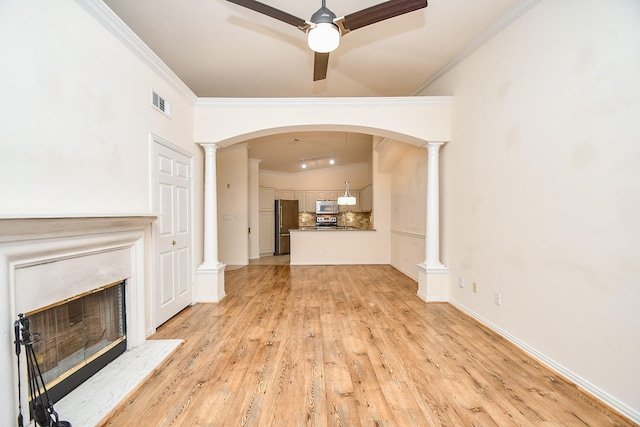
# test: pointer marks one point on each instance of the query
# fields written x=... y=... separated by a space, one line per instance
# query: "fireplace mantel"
x=25 y=227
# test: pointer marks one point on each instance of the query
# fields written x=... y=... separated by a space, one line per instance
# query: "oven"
x=326 y=222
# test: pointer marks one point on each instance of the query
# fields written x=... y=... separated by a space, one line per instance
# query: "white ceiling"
x=285 y=152
x=220 y=49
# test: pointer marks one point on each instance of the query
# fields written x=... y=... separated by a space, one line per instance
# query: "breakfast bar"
x=339 y=245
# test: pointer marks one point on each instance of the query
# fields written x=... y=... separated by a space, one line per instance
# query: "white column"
x=210 y=274
x=433 y=276
x=432 y=249
x=210 y=207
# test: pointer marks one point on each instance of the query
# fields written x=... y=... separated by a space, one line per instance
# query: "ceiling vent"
x=160 y=104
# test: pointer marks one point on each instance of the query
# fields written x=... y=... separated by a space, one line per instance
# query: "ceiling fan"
x=324 y=29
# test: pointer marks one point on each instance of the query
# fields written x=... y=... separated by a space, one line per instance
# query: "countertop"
x=331 y=230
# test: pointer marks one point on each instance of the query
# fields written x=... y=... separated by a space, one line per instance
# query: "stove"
x=326 y=221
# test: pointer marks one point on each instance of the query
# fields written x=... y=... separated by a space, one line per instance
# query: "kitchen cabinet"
x=300 y=197
x=267 y=233
x=265 y=199
x=333 y=195
x=366 y=199
x=311 y=197
x=266 y=239
x=288 y=195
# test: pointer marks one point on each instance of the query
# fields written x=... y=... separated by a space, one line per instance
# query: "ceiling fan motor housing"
x=323 y=15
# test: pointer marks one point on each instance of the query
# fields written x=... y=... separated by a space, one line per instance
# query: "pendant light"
x=347 y=199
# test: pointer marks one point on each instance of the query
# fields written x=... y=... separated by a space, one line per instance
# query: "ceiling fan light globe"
x=324 y=37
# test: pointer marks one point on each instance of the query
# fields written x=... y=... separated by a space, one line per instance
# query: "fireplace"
x=79 y=336
x=45 y=261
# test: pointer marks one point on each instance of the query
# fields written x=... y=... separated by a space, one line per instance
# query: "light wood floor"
x=346 y=346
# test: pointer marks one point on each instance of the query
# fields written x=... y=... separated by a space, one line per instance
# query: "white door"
x=172 y=232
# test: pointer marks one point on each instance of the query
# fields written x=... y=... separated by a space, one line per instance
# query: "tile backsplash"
x=361 y=220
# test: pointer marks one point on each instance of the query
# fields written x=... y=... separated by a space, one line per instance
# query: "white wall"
x=541 y=189
x=233 y=205
x=408 y=177
x=76 y=115
x=76 y=122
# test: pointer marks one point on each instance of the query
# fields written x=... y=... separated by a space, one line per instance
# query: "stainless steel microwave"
x=326 y=207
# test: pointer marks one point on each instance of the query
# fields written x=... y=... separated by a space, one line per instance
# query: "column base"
x=210 y=283
x=433 y=283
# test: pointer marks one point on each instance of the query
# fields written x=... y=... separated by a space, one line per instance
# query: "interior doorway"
x=172 y=200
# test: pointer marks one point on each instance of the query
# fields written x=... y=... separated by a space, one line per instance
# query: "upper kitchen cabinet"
x=311 y=197
x=288 y=195
x=266 y=196
x=333 y=195
x=302 y=202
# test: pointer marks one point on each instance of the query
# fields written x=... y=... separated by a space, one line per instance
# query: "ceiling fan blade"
x=380 y=12
x=320 y=65
x=271 y=11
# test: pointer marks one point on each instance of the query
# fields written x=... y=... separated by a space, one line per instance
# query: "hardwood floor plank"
x=346 y=346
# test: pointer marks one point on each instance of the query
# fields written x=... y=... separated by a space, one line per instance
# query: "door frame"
x=155 y=140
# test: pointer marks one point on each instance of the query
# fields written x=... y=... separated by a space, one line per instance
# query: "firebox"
x=77 y=337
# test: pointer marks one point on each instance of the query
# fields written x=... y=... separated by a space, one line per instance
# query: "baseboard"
x=589 y=388
x=413 y=276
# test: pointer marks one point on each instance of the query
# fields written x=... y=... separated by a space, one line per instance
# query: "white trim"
x=440 y=269
x=497 y=27
x=369 y=102
x=588 y=387
x=112 y=22
x=406 y=233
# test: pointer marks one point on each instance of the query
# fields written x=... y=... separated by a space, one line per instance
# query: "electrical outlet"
x=497 y=298
x=461 y=281
x=475 y=288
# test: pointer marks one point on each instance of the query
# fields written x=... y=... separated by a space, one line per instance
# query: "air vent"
x=160 y=104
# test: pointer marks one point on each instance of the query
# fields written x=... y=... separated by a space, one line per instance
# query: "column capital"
x=434 y=145
x=209 y=147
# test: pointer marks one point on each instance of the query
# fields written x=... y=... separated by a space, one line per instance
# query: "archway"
x=221 y=123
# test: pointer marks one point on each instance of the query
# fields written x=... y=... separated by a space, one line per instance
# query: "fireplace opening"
x=77 y=337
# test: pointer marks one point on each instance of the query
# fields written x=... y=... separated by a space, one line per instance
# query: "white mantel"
x=48 y=259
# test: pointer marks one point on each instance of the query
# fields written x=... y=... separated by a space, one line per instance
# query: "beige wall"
x=541 y=189
x=233 y=205
x=408 y=177
x=77 y=120
x=75 y=133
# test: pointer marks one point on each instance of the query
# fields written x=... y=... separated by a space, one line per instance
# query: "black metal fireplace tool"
x=41 y=407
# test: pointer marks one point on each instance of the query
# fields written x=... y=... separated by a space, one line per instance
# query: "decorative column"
x=210 y=274
x=432 y=270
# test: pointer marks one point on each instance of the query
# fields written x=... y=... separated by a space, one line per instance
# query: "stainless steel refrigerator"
x=286 y=219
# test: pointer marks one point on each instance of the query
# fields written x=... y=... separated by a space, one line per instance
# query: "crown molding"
x=496 y=28
x=110 y=21
x=326 y=101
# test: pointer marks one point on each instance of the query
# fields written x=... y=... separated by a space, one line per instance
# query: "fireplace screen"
x=77 y=337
